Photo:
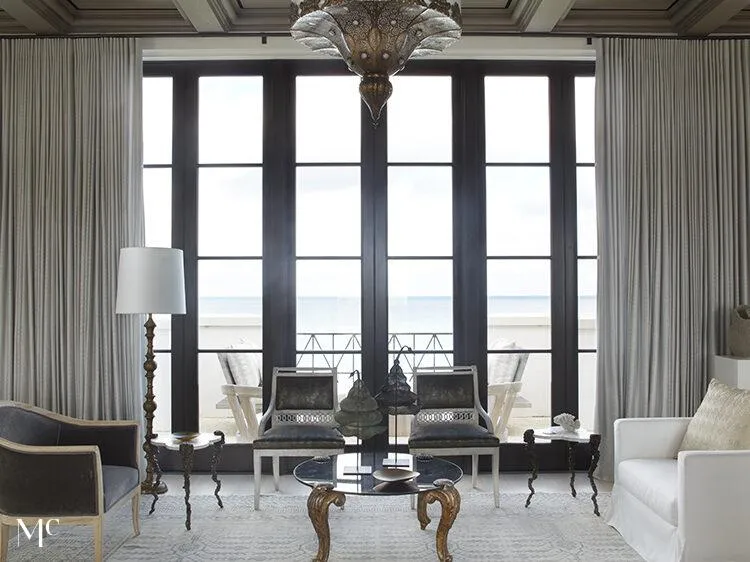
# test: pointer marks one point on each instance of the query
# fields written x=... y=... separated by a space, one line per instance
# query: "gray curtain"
x=672 y=176
x=70 y=198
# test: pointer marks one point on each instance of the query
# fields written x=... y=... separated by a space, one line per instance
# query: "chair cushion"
x=299 y=436
x=451 y=435
x=654 y=482
x=118 y=482
x=722 y=421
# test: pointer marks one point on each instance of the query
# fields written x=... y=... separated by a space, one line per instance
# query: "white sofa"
x=692 y=508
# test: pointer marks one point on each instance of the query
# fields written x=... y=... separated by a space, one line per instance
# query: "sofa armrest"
x=713 y=504
x=118 y=441
x=50 y=480
x=648 y=438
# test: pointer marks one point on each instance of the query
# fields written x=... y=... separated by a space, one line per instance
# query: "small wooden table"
x=187 y=447
x=572 y=438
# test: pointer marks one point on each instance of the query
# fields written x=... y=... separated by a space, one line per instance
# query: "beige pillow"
x=722 y=421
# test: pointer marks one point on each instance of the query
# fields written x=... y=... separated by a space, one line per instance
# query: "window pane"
x=162 y=332
x=420 y=297
x=585 y=131
x=420 y=119
x=532 y=405
x=518 y=213
x=587 y=304
x=586 y=187
x=328 y=299
x=328 y=211
x=230 y=212
x=213 y=408
x=328 y=119
x=162 y=392
x=230 y=304
x=517 y=118
x=586 y=389
x=157 y=120
x=420 y=219
x=231 y=119
x=518 y=303
x=157 y=203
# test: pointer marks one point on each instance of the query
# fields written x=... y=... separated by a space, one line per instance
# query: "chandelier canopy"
x=376 y=37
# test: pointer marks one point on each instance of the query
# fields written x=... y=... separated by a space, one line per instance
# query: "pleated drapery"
x=672 y=139
x=70 y=198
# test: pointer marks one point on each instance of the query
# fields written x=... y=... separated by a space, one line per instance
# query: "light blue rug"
x=556 y=528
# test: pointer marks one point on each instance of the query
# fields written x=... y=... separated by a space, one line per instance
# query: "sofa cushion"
x=654 y=482
x=118 y=481
x=722 y=421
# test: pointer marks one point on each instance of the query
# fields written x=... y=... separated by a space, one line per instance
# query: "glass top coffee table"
x=363 y=474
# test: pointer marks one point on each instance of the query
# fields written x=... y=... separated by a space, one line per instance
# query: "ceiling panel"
x=120 y=4
x=650 y=5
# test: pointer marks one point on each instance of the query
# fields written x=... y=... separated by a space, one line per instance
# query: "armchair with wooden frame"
x=58 y=467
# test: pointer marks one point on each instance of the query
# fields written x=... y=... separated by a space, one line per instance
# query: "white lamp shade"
x=151 y=280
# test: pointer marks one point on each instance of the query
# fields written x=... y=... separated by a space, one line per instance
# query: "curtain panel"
x=70 y=198
x=673 y=125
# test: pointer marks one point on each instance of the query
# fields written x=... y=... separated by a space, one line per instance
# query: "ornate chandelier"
x=376 y=37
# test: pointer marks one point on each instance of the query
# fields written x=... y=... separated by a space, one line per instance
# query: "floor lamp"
x=150 y=281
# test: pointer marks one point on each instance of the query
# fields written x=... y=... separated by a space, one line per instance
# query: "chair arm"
x=50 y=481
x=118 y=441
x=648 y=438
x=503 y=387
x=242 y=390
x=713 y=504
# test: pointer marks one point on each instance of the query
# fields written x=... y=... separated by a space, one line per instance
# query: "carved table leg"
x=594 y=441
x=572 y=467
x=157 y=480
x=528 y=438
x=450 y=501
x=215 y=458
x=320 y=499
x=186 y=450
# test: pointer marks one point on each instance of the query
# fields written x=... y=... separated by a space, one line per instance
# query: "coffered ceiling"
x=557 y=17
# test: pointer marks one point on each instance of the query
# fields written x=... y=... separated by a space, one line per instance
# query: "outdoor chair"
x=243 y=375
x=450 y=420
x=504 y=374
x=299 y=420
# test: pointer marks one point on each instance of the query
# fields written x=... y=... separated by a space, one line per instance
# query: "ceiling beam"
x=206 y=16
x=701 y=17
x=542 y=16
x=38 y=16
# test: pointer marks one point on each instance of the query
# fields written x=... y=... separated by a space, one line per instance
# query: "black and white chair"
x=451 y=420
x=299 y=420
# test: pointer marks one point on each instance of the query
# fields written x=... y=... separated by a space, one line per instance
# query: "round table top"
x=557 y=433
x=352 y=473
x=174 y=440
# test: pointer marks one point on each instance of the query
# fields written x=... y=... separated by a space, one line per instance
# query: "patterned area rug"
x=556 y=528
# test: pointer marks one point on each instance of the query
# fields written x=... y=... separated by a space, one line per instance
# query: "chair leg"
x=276 y=472
x=256 y=477
x=474 y=467
x=136 y=512
x=98 y=539
x=4 y=538
x=496 y=477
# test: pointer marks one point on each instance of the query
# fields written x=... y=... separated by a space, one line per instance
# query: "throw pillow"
x=722 y=421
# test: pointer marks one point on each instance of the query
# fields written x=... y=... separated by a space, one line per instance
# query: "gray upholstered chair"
x=299 y=420
x=54 y=466
x=450 y=420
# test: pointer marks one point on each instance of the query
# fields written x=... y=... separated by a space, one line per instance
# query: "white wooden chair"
x=243 y=374
x=504 y=374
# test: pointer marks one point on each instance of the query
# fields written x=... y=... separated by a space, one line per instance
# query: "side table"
x=572 y=438
x=187 y=445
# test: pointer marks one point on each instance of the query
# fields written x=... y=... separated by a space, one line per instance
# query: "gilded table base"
x=450 y=501
x=320 y=499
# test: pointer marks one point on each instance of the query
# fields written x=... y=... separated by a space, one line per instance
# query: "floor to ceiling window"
x=313 y=238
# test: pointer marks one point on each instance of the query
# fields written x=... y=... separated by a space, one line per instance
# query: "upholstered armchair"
x=299 y=420
x=451 y=420
x=54 y=466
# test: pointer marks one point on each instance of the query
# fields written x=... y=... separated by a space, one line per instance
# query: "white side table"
x=187 y=447
x=572 y=438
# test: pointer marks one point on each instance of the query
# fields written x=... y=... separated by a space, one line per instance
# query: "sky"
x=328 y=198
